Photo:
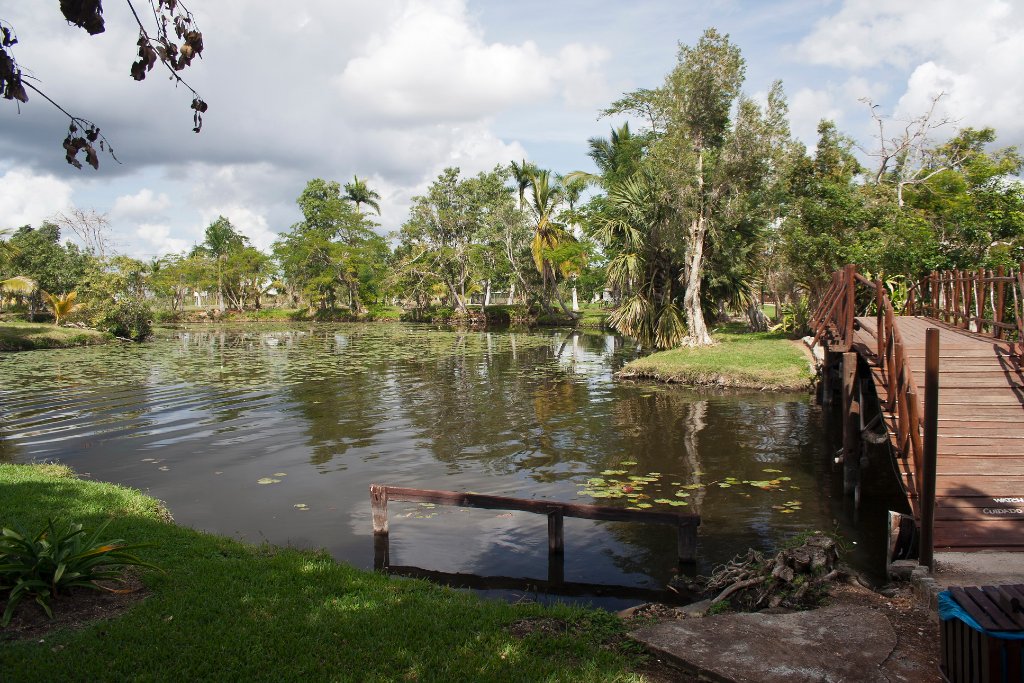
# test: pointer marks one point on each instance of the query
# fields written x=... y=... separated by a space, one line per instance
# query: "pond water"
x=275 y=433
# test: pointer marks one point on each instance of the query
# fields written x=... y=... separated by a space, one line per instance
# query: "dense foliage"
x=702 y=206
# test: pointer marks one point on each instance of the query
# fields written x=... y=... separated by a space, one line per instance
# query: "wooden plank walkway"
x=980 y=472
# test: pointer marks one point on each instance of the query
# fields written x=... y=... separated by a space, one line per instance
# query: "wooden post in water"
x=851 y=423
x=930 y=459
x=556 y=538
x=687 y=533
x=826 y=379
x=379 y=506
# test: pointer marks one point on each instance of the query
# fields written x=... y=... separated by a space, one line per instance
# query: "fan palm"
x=359 y=193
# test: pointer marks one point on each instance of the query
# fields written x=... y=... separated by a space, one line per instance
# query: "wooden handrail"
x=686 y=524
x=980 y=301
x=974 y=300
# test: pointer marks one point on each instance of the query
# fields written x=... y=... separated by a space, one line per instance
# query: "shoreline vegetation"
x=768 y=361
x=240 y=610
x=24 y=336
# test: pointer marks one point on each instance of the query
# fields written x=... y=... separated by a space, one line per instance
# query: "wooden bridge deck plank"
x=980 y=477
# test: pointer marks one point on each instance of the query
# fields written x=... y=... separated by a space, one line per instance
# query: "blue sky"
x=396 y=90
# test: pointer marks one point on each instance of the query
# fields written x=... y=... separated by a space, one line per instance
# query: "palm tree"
x=546 y=196
x=523 y=173
x=62 y=306
x=21 y=285
x=359 y=192
x=641 y=266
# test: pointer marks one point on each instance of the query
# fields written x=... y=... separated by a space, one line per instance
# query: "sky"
x=394 y=91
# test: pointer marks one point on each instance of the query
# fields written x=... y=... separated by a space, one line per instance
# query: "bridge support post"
x=826 y=379
x=929 y=460
x=851 y=424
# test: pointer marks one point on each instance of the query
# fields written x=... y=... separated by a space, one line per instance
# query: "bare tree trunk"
x=756 y=319
x=698 y=329
x=456 y=299
x=575 y=300
x=487 y=294
x=512 y=293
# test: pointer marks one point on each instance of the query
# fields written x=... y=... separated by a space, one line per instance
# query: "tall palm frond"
x=523 y=173
x=20 y=285
x=62 y=305
x=360 y=193
x=6 y=248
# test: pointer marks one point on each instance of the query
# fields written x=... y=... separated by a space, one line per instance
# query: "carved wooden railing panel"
x=982 y=301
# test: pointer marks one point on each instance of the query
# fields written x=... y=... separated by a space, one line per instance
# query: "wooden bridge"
x=976 y=440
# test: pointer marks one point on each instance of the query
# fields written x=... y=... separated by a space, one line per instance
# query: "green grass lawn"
x=763 y=360
x=229 y=611
x=21 y=336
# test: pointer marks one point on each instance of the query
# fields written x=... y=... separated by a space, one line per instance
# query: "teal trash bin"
x=982 y=634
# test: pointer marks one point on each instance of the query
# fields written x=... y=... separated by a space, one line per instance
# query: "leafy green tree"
x=821 y=232
x=179 y=274
x=330 y=250
x=221 y=240
x=39 y=255
x=706 y=181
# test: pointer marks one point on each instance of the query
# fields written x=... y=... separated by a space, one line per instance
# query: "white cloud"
x=157 y=240
x=971 y=54
x=806 y=108
x=27 y=198
x=432 y=63
x=144 y=204
x=247 y=221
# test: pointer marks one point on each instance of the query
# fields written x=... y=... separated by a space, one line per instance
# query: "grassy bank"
x=766 y=360
x=225 y=610
x=21 y=336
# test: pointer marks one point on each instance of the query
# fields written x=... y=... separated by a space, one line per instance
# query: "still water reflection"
x=276 y=433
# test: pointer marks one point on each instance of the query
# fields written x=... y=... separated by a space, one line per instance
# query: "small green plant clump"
x=128 y=319
x=48 y=564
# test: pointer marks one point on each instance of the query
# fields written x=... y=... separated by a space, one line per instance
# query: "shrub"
x=129 y=319
x=52 y=562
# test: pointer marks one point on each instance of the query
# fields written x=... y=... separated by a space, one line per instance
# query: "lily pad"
x=263 y=481
x=677 y=503
x=628 y=463
x=280 y=474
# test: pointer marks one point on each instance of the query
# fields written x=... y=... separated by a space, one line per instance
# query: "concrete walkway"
x=863 y=638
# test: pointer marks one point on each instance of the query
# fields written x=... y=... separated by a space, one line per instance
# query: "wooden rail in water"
x=686 y=524
x=976 y=318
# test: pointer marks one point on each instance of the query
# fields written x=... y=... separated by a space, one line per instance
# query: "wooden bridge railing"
x=685 y=524
x=982 y=301
x=834 y=322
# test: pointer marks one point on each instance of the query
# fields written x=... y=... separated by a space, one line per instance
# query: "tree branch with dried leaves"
x=176 y=41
